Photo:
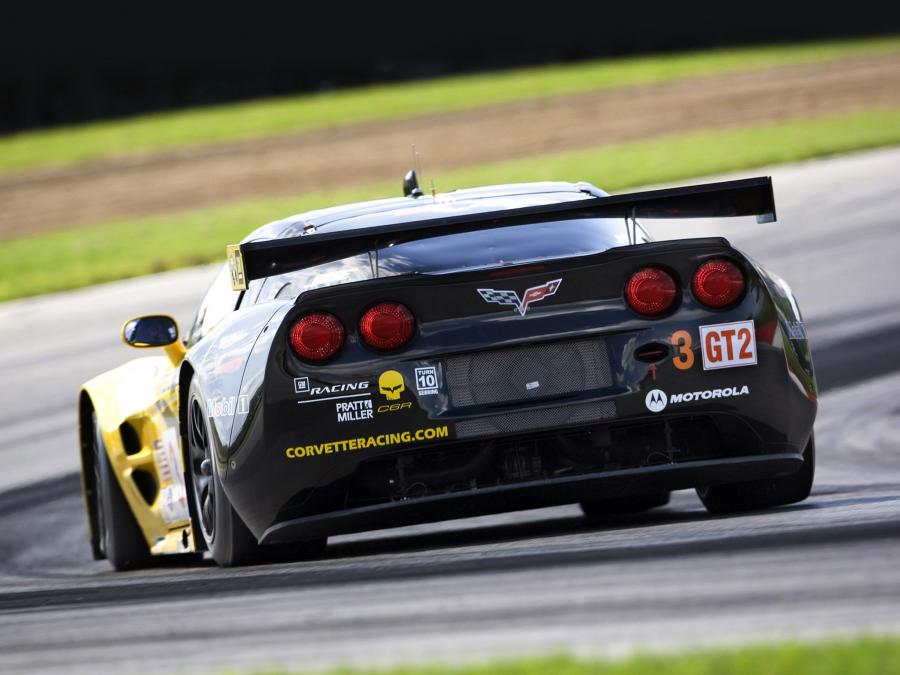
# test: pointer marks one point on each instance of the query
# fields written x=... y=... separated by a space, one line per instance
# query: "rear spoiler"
x=258 y=259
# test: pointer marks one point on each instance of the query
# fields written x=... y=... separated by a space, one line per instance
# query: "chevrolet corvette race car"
x=439 y=356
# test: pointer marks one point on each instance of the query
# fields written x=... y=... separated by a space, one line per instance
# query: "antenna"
x=411 y=179
x=417 y=164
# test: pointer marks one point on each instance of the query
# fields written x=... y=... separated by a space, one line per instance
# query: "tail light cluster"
x=318 y=336
x=386 y=326
x=717 y=283
x=651 y=291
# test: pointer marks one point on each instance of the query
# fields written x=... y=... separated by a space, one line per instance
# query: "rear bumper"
x=535 y=494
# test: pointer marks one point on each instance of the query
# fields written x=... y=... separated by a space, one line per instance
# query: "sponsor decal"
x=728 y=345
x=354 y=411
x=511 y=298
x=173 y=498
x=529 y=386
x=426 y=381
x=391 y=384
x=173 y=504
x=796 y=330
x=236 y=267
x=330 y=392
x=394 y=407
x=365 y=442
x=657 y=400
x=228 y=407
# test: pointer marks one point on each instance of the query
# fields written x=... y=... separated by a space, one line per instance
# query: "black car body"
x=529 y=376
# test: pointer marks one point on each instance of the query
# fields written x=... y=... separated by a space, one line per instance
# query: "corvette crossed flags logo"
x=532 y=295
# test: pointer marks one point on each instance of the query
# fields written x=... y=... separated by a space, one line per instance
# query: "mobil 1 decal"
x=728 y=345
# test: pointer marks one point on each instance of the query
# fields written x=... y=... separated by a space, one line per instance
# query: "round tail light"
x=317 y=336
x=718 y=283
x=386 y=326
x=651 y=291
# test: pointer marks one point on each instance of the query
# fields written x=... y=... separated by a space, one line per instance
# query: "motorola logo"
x=656 y=400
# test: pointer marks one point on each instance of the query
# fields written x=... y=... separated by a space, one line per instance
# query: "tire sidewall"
x=123 y=542
x=201 y=541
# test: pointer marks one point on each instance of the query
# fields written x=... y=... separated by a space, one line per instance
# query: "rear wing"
x=258 y=259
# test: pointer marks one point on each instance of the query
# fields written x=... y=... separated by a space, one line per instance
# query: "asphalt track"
x=509 y=585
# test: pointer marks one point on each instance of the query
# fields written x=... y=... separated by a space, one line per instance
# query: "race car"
x=437 y=356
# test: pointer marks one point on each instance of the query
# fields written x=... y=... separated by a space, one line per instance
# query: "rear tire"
x=763 y=494
x=606 y=508
x=227 y=538
x=119 y=537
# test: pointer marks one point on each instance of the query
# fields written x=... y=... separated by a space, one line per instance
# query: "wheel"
x=604 y=508
x=226 y=536
x=119 y=538
x=763 y=494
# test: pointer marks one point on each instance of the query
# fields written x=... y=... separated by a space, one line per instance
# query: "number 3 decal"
x=681 y=339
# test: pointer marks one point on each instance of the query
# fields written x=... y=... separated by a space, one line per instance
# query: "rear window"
x=458 y=252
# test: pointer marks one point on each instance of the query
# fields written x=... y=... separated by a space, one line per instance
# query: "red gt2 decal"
x=728 y=345
x=532 y=295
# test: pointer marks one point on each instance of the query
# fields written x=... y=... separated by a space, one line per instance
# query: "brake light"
x=651 y=291
x=718 y=283
x=386 y=326
x=317 y=336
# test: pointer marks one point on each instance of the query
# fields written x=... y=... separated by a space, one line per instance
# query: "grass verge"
x=296 y=114
x=866 y=656
x=69 y=259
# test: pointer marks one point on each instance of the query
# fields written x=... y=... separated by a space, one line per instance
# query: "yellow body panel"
x=144 y=394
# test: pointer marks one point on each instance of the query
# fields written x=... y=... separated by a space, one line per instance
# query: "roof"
x=406 y=209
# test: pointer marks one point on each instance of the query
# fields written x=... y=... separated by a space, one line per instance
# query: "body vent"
x=146 y=485
x=131 y=442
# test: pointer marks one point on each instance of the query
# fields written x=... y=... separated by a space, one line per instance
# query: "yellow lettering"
x=364 y=442
x=394 y=407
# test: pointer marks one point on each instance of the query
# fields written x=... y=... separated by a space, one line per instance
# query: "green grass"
x=294 y=114
x=867 y=656
x=68 y=259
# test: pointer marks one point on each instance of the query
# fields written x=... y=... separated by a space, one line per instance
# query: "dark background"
x=61 y=69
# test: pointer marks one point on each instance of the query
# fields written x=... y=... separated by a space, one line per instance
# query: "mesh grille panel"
x=541 y=418
x=525 y=373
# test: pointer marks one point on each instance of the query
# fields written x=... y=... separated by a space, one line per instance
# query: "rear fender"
x=229 y=365
x=788 y=326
